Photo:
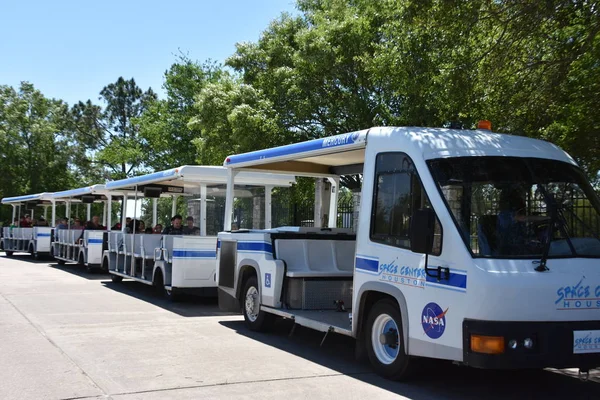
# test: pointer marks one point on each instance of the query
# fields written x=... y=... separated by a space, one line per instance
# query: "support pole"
x=203 y=210
x=229 y=199
x=268 y=206
x=46 y=214
x=109 y=212
x=174 y=206
x=134 y=226
x=104 y=206
x=154 y=212
x=14 y=213
x=89 y=212
x=123 y=216
x=333 y=202
x=53 y=224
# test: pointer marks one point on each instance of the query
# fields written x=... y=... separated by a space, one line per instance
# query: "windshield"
x=503 y=206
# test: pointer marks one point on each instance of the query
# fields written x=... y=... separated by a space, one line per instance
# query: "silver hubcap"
x=252 y=304
x=384 y=339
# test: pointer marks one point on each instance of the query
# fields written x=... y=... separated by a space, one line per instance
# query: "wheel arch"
x=368 y=295
x=158 y=269
x=248 y=267
x=81 y=256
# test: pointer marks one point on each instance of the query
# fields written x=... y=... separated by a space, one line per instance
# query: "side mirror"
x=422 y=230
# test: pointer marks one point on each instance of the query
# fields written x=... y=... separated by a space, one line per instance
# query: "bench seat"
x=317 y=258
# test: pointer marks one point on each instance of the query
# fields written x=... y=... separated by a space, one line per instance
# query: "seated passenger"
x=25 y=221
x=510 y=228
x=94 y=224
x=42 y=222
x=157 y=229
x=77 y=224
x=190 y=229
x=175 y=228
x=64 y=223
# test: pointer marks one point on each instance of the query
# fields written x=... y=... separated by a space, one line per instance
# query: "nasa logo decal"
x=355 y=136
x=433 y=320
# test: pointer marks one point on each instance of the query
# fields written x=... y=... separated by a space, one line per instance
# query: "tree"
x=164 y=125
x=111 y=135
x=530 y=67
x=35 y=148
x=233 y=118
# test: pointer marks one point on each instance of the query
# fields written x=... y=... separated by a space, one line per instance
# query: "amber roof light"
x=484 y=124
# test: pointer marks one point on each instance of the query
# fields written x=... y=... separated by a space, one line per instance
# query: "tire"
x=61 y=262
x=31 y=251
x=250 y=301
x=388 y=359
x=116 y=278
x=89 y=269
x=159 y=284
x=171 y=295
x=9 y=253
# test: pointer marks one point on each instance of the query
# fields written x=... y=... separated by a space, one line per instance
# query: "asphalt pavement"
x=67 y=334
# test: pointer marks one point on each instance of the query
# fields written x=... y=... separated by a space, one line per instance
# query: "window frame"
x=375 y=238
x=577 y=169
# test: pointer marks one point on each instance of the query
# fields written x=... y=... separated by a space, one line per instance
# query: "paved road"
x=65 y=334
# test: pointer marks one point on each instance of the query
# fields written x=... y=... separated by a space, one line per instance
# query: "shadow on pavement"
x=188 y=305
x=28 y=258
x=80 y=271
x=433 y=380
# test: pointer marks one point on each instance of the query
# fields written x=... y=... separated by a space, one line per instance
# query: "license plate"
x=586 y=342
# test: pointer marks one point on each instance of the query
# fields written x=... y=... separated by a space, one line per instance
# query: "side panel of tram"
x=35 y=241
x=175 y=261
x=83 y=247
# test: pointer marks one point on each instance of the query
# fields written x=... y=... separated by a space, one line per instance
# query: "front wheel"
x=9 y=253
x=256 y=319
x=385 y=342
x=116 y=278
x=171 y=295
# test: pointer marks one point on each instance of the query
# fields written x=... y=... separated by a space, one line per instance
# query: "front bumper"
x=553 y=344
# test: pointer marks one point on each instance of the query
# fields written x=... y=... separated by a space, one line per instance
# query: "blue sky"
x=72 y=49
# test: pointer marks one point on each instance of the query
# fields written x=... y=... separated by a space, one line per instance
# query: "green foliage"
x=35 y=150
x=164 y=125
x=110 y=135
x=234 y=117
x=532 y=68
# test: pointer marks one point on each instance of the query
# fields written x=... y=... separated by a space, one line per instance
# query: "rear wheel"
x=60 y=262
x=159 y=283
x=385 y=342
x=116 y=278
x=31 y=251
x=256 y=319
x=105 y=265
x=9 y=253
x=171 y=294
